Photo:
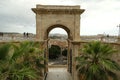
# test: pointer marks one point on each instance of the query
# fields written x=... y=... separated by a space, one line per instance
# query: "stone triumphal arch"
x=66 y=17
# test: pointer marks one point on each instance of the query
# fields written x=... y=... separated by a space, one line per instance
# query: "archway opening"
x=57 y=49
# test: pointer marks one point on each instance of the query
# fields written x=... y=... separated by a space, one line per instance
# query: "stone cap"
x=57 y=6
x=57 y=9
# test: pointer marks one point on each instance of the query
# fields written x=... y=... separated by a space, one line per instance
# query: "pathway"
x=58 y=74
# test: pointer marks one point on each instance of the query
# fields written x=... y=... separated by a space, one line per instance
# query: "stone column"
x=45 y=54
x=75 y=51
x=38 y=27
x=76 y=27
x=42 y=47
x=68 y=56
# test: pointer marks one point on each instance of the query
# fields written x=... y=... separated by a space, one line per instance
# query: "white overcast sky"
x=100 y=16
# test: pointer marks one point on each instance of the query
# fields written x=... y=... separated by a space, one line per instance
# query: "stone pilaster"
x=75 y=51
x=77 y=27
x=69 y=57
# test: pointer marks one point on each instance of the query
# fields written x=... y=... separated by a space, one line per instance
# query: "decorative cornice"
x=57 y=11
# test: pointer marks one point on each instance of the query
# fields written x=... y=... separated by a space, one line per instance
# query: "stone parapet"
x=58 y=6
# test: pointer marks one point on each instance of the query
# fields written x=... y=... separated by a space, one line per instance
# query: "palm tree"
x=95 y=63
x=20 y=61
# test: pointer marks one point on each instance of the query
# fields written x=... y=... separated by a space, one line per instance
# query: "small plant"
x=95 y=63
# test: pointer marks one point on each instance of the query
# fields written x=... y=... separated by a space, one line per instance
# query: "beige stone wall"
x=65 y=20
x=48 y=20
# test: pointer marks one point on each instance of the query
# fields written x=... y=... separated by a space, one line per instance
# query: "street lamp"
x=119 y=30
x=119 y=33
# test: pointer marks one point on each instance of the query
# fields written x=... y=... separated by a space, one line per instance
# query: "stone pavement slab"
x=58 y=76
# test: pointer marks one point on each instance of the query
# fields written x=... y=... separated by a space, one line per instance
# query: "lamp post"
x=118 y=33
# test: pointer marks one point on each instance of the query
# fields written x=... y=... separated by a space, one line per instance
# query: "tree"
x=64 y=52
x=95 y=63
x=54 y=52
x=20 y=61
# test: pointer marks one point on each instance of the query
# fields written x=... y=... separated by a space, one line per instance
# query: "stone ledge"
x=57 y=11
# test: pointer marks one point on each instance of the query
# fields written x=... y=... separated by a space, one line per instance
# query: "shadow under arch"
x=69 y=33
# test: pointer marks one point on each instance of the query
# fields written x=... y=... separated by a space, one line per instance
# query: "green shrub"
x=20 y=62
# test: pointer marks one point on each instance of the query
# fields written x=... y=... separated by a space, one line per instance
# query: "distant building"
x=1 y=34
x=13 y=34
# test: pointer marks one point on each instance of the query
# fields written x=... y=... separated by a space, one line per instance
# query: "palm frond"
x=95 y=62
x=4 y=51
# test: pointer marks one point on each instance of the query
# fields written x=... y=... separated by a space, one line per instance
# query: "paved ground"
x=58 y=74
x=58 y=61
x=57 y=68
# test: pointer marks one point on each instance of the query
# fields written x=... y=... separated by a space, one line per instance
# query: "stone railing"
x=110 y=39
